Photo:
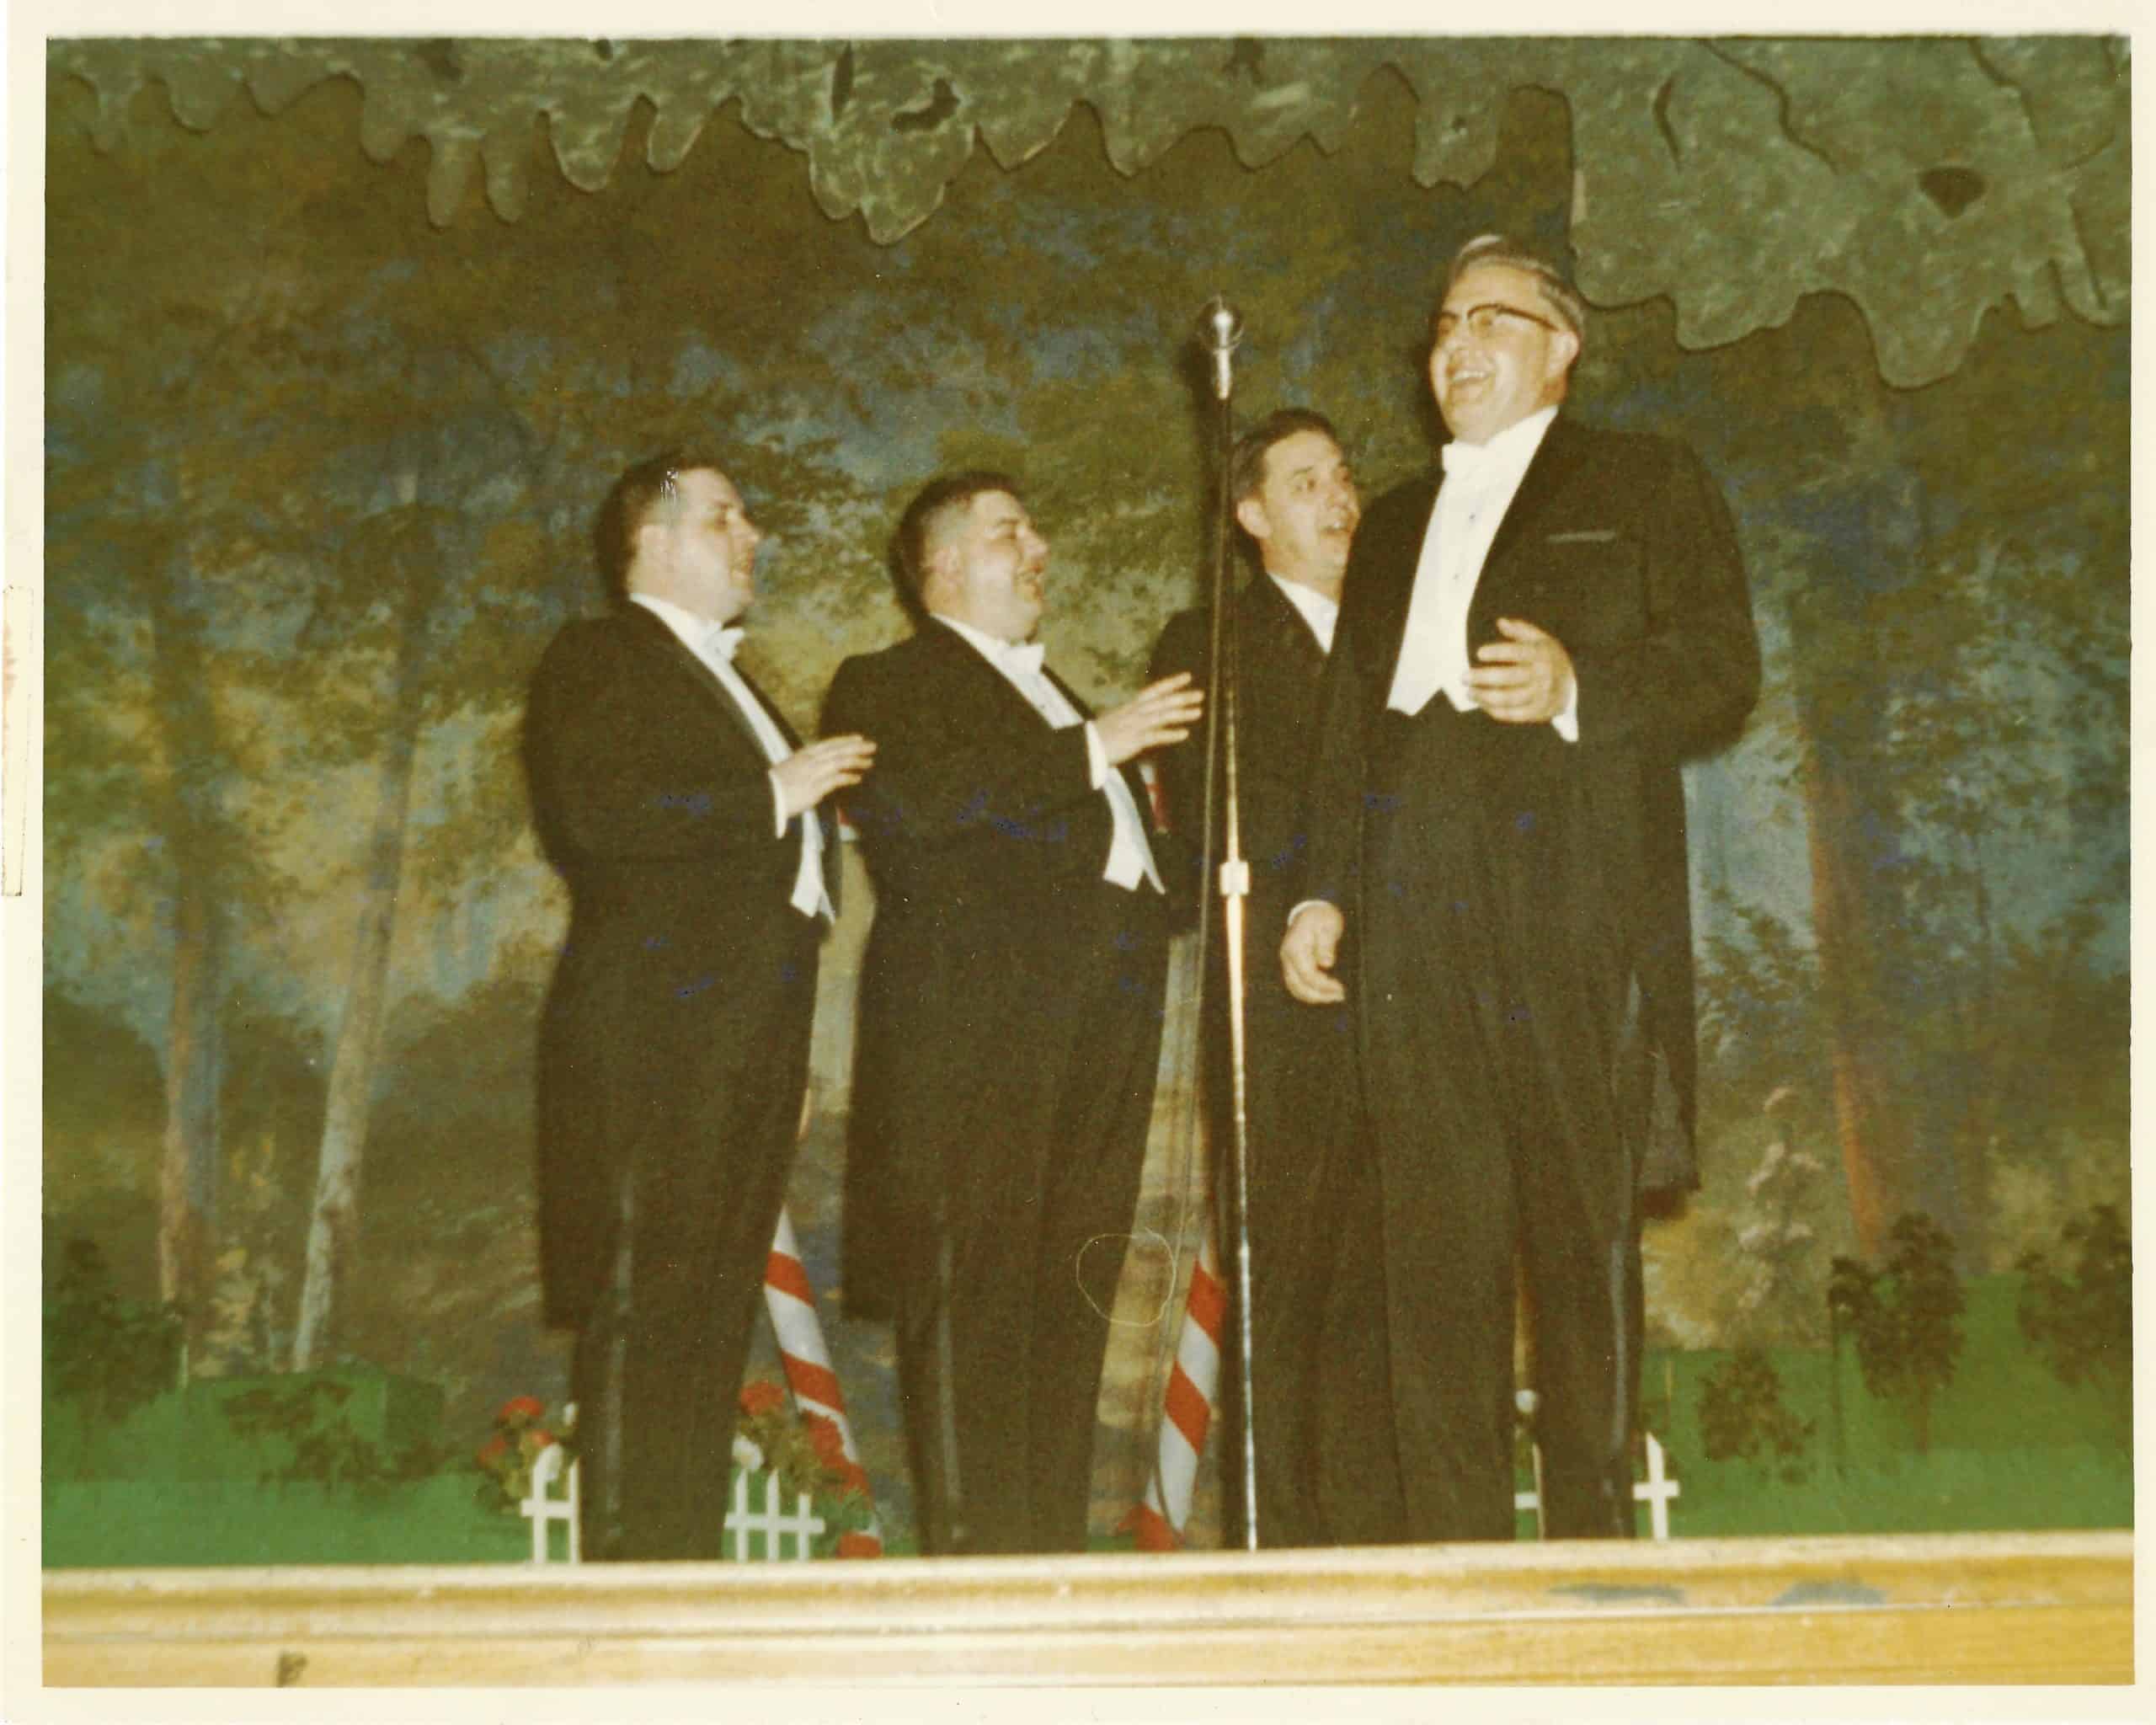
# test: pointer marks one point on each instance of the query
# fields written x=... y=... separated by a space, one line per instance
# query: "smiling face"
x=699 y=548
x=1490 y=368
x=985 y=567
x=1305 y=511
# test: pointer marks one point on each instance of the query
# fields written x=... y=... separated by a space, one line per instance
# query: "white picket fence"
x=760 y=1527
x=542 y=1508
x=769 y=1531
x=1656 y=1491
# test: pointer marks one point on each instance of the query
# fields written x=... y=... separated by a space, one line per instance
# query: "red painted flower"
x=824 y=1438
x=854 y=1477
x=539 y=1436
x=860 y=1545
x=760 y=1397
x=493 y=1450
x=520 y=1408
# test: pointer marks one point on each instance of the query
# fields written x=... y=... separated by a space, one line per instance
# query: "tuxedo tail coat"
x=986 y=841
x=686 y=984
x=1620 y=546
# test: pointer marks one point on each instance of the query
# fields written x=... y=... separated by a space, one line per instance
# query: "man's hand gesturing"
x=813 y=770
x=1159 y=714
x=1524 y=678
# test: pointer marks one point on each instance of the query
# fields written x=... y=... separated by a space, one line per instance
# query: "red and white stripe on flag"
x=791 y=1299
x=1193 y=1386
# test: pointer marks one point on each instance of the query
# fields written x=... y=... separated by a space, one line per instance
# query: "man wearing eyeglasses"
x=1528 y=646
x=693 y=831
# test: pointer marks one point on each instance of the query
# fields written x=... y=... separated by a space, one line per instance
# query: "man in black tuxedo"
x=1010 y=1022
x=1316 y=1290
x=684 y=815
x=1526 y=653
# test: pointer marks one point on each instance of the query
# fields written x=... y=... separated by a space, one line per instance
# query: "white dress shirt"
x=1130 y=853
x=714 y=645
x=1319 y=613
x=1480 y=481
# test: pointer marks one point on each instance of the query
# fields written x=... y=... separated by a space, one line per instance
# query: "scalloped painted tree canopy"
x=1927 y=179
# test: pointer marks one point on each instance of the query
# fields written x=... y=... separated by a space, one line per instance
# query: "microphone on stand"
x=1221 y=327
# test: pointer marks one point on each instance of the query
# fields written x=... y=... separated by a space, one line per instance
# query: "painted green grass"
x=2012 y=1449
x=135 y=1523
x=1948 y=1491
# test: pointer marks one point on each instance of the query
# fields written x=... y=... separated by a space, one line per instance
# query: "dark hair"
x=925 y=514
x=1501 y=248
x=1246 y=464
x=628 y=506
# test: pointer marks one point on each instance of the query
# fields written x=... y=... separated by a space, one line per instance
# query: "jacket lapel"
x=1269 y=614
x=755 y=692
x=995 y=693
x=826 y=812
x=669 y=645
x=1543 y=481
x=1069 y=694
x=1140 y=793
x=1006 y=700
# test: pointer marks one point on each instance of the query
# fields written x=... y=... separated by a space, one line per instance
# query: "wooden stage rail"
x=2025 y=1608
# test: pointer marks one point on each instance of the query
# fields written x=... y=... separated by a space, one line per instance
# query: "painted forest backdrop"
x=320 y=474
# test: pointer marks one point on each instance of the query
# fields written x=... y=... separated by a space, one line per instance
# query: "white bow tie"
x=723 y=642
x=1472 y=462
x=1025 y=657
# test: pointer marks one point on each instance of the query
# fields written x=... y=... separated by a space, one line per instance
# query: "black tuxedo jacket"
x=1283 y=667
x=986 y=841
x=684 y=962
x=1620 y=545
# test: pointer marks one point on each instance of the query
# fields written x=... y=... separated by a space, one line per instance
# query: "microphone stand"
x=1223 y=330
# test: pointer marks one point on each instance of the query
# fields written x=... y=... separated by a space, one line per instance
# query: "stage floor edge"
x=1934 y=1609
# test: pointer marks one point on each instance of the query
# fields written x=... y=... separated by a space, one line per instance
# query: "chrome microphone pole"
x=1222 y=329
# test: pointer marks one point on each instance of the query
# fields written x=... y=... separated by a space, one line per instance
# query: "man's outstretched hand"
x=1159 y=714
x=813 y=770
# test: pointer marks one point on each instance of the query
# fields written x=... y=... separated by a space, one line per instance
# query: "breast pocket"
x=1589 y=585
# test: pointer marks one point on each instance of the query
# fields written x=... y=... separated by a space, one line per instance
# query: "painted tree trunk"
x=187 y=1176
x=1975 y=1129
x=1708 y=794
x=1873 y=1123
x=187 y=1171
x=332 y=1233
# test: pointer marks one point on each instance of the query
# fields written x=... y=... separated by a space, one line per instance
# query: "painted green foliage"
x=105 y=1355
x=1743 y=1414
x=2006 y=160
x=302 y=1420
x=320 y=471
x=1905 y=1317
x=2077 y=1310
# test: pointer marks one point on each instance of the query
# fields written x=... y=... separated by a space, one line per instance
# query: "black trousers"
x=656 y=1373
x=1502 y=1088
x=1003 y=1309
x=1317 y=1373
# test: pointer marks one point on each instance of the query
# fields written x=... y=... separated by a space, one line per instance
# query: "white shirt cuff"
x=1568 y=722
x=1096 y=755
x=778 y=805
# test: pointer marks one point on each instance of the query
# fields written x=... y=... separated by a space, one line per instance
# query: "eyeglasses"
x=1486 y=320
